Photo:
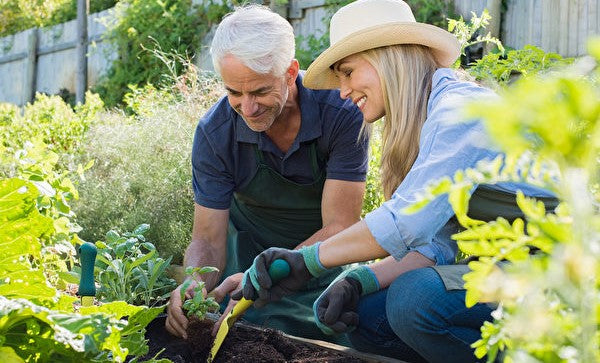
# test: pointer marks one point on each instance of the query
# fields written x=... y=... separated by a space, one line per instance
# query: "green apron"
x=486 y=204
x=272 y=211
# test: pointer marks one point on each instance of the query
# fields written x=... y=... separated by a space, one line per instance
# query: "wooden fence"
x=560 y=26
x=44 y=60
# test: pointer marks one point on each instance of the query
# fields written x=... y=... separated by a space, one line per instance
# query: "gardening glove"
x=257 y=284
x=335 y=309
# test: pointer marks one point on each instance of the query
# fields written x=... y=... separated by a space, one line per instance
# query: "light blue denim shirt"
x=447 y=144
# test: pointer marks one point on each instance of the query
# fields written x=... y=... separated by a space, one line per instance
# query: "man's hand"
x=177 y=322
x=230 y=284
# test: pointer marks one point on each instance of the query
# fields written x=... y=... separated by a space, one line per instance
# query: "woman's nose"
x=344 y=90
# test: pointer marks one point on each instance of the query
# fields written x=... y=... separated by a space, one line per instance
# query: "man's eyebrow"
x=261 y=90
x=256 y=91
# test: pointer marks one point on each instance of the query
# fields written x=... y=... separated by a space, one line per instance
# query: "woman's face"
x=359 y=81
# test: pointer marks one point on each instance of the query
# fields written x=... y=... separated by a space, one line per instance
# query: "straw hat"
x=368 y=24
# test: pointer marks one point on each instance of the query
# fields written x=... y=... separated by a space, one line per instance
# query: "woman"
x=393 y=67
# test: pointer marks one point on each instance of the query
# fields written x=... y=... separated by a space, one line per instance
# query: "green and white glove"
x=257 y=285
x=335 y=309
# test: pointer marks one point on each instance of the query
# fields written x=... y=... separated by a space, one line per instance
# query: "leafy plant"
x=198 y=305
x=19 y=15
x=37 y=322
x=139 y=26
x=38 y=146
x=469 y=35
x=495 y=69
x=548 y=300
x=129 y=269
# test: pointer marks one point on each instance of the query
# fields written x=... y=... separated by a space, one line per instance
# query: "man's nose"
x=249 y=105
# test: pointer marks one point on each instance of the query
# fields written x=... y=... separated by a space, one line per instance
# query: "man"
x=274 y=164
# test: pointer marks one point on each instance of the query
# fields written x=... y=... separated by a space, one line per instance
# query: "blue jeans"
x=417 y=320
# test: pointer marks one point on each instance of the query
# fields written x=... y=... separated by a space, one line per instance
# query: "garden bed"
x=248 y=343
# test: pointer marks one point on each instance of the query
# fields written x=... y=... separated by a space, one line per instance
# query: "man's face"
x=258 y=98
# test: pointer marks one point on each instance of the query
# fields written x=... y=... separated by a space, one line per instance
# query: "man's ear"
x=292 y=72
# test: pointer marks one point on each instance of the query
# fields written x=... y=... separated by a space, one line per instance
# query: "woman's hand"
x=257 y=284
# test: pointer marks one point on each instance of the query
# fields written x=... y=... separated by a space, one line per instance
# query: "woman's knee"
x=408 y=295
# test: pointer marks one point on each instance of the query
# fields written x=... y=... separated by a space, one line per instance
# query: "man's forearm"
x=201 y=253
x=322 y=234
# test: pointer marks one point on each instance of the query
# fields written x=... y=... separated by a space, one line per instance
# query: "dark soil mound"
x=243 y=344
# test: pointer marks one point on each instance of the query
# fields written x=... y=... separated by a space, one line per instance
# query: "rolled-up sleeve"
x=446 y=145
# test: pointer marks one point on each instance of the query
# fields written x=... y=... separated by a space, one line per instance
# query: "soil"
x=243 y=344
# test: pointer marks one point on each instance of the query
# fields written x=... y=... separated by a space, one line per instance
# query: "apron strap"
x=314 y=161
x=260 y=158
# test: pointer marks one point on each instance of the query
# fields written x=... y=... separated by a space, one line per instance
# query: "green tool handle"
x=278 y=270
x=87 y=258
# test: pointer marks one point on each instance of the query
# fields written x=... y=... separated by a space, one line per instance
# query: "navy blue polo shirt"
x=224 y=161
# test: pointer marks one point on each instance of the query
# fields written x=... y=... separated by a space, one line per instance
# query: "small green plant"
x=130 y=269
x=198 y=305
x=495 y=69
x=468 y=33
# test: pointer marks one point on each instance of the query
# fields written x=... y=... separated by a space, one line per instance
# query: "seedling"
x=198 y=305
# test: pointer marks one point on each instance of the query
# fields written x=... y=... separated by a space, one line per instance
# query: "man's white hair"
x=261 y=39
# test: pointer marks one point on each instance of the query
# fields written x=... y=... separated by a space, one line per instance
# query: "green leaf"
x=8 y=355
x=141 y=229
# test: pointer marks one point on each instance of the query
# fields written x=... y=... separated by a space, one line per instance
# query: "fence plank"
x=31 y=68
x=82 y=37
x=563 y=44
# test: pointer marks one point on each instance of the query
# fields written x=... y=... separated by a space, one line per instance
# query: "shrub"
x=496 y=69
x=177 y=26
x=37 y=321
x=19 y=15
x=142 y=171
x=548 y=296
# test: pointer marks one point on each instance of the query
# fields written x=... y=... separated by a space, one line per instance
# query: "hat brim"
x=444 y=46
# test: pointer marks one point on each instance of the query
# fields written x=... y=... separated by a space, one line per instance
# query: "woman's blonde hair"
x=405 y=72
